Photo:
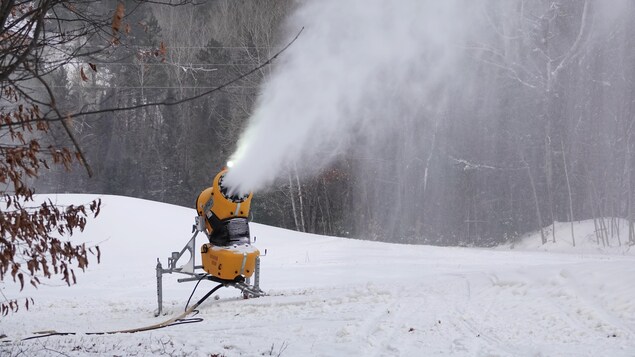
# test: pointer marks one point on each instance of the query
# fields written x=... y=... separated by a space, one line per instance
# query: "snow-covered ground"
x=334 y=297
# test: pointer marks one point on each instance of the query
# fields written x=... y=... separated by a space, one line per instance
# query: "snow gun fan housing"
x=229 y=254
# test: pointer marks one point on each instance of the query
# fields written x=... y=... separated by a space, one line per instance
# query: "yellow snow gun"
x=228 y=257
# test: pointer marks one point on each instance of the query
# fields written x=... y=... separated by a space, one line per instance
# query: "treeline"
x=536 y=126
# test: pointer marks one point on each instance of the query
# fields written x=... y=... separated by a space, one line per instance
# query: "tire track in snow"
x=388 y=319
x=587 y=310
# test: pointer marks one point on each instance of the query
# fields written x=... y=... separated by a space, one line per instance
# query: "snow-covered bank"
x=332 y=297
x=612 y=238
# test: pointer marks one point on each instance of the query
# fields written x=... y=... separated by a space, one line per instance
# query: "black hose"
x=207 y=295
x=193 y=290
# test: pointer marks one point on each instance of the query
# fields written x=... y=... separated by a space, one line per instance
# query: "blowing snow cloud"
x=356 y=69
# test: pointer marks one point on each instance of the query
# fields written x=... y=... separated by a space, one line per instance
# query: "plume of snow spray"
x=358 y=66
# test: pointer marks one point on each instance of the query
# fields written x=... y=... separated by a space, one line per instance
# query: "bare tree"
x=37 y=39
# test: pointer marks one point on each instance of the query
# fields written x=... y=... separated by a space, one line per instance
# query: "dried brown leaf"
x=82 y=74
x=21 y=278
x=116 y=19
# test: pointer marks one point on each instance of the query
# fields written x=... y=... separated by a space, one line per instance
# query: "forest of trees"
x=536 y=128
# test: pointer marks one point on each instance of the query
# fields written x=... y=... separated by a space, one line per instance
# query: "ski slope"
x=332 y=297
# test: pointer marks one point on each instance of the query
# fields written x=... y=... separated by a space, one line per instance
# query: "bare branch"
x=577 y=44
x=175 y=102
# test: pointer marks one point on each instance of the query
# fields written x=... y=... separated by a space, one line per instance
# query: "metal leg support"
x=257 y=274
x=159 y=288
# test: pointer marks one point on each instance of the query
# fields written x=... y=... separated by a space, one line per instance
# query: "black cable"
x=208 y=294
x=186 y=321
x=49 y=335
x=193 y=290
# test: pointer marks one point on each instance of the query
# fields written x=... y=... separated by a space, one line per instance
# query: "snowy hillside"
x=558 y=236
x=332 y=297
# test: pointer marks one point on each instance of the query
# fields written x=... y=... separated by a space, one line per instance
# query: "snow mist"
x=356 y=71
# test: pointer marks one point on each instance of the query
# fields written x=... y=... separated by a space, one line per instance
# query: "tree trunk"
x=300 y=199
x=293 y=209
x=566 y=174
x=533 y=189
x=629 y=196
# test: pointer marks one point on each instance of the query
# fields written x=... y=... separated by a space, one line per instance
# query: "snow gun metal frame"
x=190 y=268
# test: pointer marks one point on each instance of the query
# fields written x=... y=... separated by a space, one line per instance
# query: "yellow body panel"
x=223 y=207
x=229 y=262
